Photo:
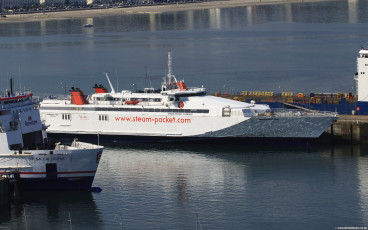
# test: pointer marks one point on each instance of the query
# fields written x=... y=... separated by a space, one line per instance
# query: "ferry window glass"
x=103 y=117
x=65 y=116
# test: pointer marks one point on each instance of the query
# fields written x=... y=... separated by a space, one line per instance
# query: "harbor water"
x=294 y=47
x=165 y=186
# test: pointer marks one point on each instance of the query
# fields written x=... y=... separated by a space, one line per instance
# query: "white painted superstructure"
x=361 y=76
x=175 y=111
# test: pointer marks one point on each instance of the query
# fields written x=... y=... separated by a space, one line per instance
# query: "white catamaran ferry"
x=42 y=165
x=176 y=112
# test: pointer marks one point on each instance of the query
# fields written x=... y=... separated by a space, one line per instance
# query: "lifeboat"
x=132 y=102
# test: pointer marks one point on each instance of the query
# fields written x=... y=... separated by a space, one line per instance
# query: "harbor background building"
x=14 y=4
x=25 y=4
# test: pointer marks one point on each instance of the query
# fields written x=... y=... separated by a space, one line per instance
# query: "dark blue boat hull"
x=61 y=184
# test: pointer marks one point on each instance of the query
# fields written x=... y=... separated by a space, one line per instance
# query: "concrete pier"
x=348 y=128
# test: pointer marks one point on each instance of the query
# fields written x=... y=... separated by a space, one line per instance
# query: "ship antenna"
x=170 y=76
x=148 y=77
x=20 y=80
x=112 y=87
x=64 y=86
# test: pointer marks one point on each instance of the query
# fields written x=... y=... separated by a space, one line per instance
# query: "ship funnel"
x=77 y=97
x=100 y=89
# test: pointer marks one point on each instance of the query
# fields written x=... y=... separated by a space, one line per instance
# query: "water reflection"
x=353 y=10
x=52 y=210
x=216 y=47
x=220 y=18
x=236 y=186
x=163 y=186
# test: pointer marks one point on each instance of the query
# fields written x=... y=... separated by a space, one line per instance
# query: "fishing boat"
x=25 y=149
x=174 y=113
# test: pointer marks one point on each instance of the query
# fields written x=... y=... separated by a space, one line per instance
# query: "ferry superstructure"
x=26 y=150
x=175 y=112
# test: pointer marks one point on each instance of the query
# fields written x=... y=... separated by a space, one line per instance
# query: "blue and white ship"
x=42 y=165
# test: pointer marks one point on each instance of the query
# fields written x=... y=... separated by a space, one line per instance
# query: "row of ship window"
x=157 y=110
x=177 y=97
x=103 y=117
x=21 y=110
x=14 y=100
x=132 y=99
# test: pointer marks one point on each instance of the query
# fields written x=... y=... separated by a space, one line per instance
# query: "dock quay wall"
x=348 y=128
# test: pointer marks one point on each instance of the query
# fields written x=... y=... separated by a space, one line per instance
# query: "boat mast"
x=170 y=76
x=112 y=87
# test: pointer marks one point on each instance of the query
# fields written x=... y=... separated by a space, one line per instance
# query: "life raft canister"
x=181 y=104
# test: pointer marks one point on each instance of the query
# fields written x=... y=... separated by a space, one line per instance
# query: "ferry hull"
x=277 y=127
x=65 y=183
x=255 y=127
x=129 y=139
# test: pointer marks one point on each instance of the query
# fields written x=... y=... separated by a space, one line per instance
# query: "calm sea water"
x=228 y=187
x=297 y=47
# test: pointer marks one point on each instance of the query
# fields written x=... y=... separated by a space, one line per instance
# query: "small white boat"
x=24 y=148
x=88 y=25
